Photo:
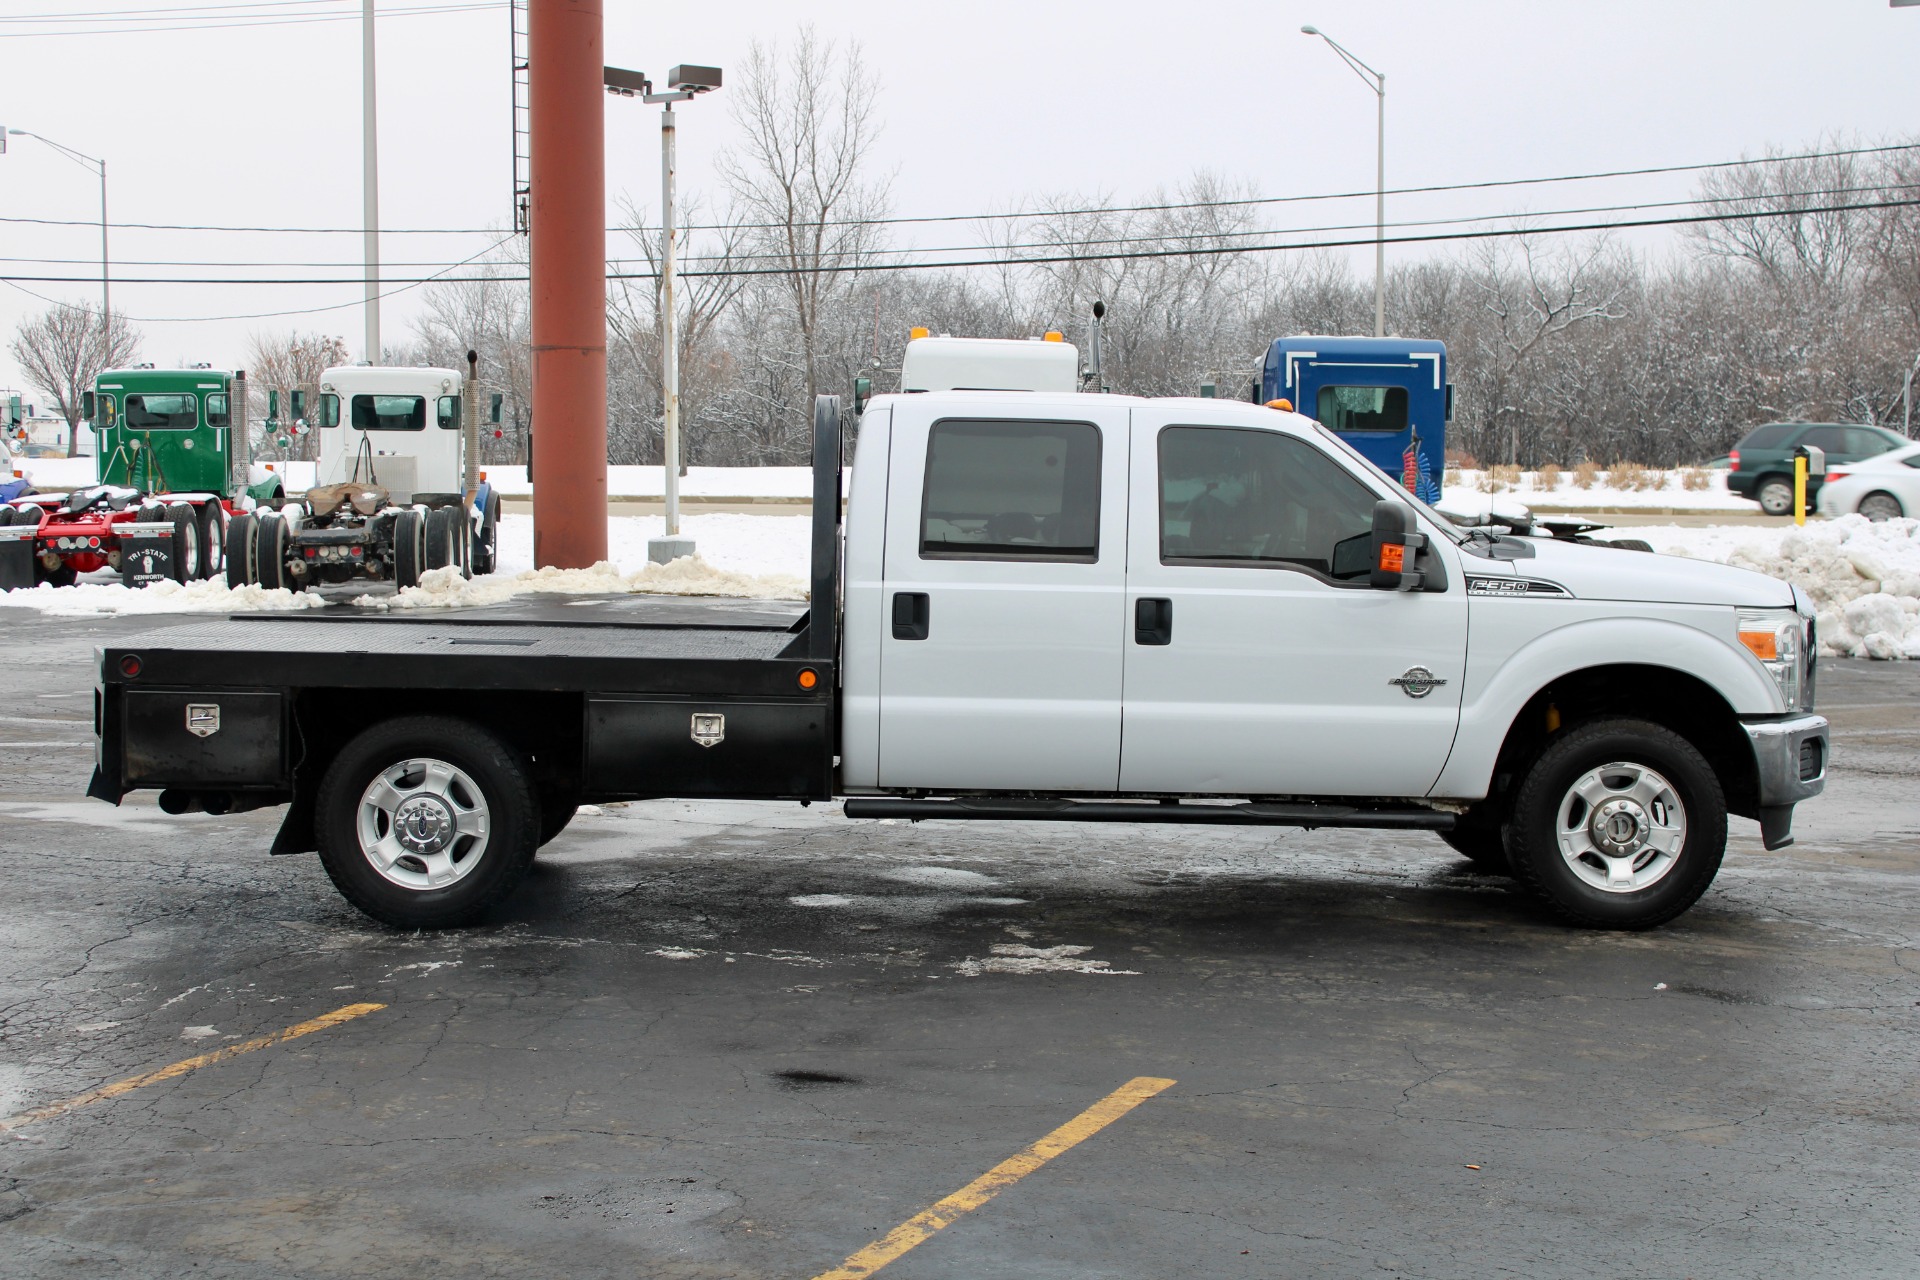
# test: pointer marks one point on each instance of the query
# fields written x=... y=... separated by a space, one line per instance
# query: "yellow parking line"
x=942 y=1213
x=114 y=1090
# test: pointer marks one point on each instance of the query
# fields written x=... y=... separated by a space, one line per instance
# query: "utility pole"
x=1377 y=81
x=370 y=180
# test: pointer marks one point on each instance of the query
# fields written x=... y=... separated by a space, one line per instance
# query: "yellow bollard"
x=1799 y=490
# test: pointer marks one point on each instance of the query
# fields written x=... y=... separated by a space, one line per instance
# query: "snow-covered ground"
x=1863 y=577
x=1665 y=491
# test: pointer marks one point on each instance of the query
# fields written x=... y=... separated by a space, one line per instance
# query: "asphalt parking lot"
x=735 y=1040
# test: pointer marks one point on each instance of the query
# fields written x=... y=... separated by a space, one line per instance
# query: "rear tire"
x=427 y=822
x=443 y=537
x=1880 y=505
x=1619 y=824
x=213 y=539
x=485 y=555
x=239 y=550
x=270 y=553
x=186 y=541
x=409 y=548
x=1775 y=496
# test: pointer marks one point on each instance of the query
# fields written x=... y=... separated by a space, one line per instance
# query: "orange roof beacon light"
x=1283 y=404
x=917 y=332
x=1054 y=335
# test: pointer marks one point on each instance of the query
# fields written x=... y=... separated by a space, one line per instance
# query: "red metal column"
x=565 y=52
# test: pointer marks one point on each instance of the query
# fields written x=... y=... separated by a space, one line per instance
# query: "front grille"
x=1811 y=765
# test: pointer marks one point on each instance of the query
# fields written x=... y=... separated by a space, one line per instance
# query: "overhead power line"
x=275 y=21
x=1020 y=261
x=1164 y=238
x=1435 y=189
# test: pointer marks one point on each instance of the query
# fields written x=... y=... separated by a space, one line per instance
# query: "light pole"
x=100 y=166
x=1376 y=81
x=684 y=82
x=370 y=180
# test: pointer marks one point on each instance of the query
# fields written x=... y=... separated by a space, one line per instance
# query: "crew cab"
x=1038 y=606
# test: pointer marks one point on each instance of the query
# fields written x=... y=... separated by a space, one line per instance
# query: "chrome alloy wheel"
x=1621 y=827
x=422 y=824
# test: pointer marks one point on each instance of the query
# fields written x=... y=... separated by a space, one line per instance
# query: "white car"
x=1885 y=487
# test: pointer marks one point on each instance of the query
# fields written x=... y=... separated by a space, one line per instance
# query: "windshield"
x=161 y=413
x=1447 y=526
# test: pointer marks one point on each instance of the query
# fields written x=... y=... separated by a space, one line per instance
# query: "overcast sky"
x=985 y=104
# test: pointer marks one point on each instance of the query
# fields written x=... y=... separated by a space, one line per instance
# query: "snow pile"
x=687 y=576
x=1864 y=578
x=96 y=599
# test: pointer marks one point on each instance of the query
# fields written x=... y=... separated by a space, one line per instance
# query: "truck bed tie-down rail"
x=1254 y=813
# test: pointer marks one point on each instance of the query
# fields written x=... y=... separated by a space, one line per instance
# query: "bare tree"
x=798 y=178
x=488 y=312
x=64 y=350
x=291 y=361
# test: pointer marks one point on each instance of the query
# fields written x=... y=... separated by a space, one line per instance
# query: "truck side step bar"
x=1249 y=814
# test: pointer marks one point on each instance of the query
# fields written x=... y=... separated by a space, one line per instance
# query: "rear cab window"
x=1011 y=490
x=389 y=413
x=1346 y=409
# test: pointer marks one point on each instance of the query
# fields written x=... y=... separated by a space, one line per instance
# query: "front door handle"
x=911 y=613
x=1152 y=621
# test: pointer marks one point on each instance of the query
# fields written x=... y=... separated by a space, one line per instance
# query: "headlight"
x=1774 y=637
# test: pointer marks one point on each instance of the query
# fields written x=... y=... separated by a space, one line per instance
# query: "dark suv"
x=1762 y=463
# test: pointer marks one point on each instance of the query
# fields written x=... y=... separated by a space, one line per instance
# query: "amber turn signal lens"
x=809 y=678
x=1763 y=644
x=1393 y=557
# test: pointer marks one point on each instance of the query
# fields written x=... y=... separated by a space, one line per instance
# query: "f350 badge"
x=709 y=728
x=1418 y=682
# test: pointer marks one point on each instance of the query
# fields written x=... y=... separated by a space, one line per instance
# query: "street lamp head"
x=626 y=83
x=1309 y=30
x=20 y=133
x=692 y=79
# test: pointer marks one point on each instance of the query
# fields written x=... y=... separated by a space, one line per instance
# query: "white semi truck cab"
x=1041 y=605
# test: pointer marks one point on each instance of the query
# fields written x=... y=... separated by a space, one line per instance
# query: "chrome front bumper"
x=1790 y=760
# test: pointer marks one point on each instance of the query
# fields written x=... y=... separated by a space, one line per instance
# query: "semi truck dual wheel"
x=487 y=540
x=1775 y=496
x=427 y=822
x=239 y=549
x=446 y=531
x=186 y=541
x=1620 y=824
x=213 y=539
x=270 y=552
x=409 y=547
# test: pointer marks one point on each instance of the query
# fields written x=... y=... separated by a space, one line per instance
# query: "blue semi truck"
x=1387 y=397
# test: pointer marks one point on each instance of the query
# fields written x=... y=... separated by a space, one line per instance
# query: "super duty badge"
x=1515 y=588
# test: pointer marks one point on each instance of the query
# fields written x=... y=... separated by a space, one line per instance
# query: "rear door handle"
x=911 y=613
x=1152 y=621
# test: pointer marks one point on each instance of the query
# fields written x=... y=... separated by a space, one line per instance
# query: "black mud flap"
x=100 y=789
x=296 y=834
x=1776 y=826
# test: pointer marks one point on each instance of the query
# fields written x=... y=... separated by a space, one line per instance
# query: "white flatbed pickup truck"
x=1039 y=606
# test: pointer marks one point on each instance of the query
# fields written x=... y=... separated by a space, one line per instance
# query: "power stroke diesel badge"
x=1418 y=682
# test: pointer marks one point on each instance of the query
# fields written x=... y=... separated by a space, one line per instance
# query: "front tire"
x=1881 y=505
x=1620 y=824
x=427 y=822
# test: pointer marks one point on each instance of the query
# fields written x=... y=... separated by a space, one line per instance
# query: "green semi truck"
x=167 y=453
